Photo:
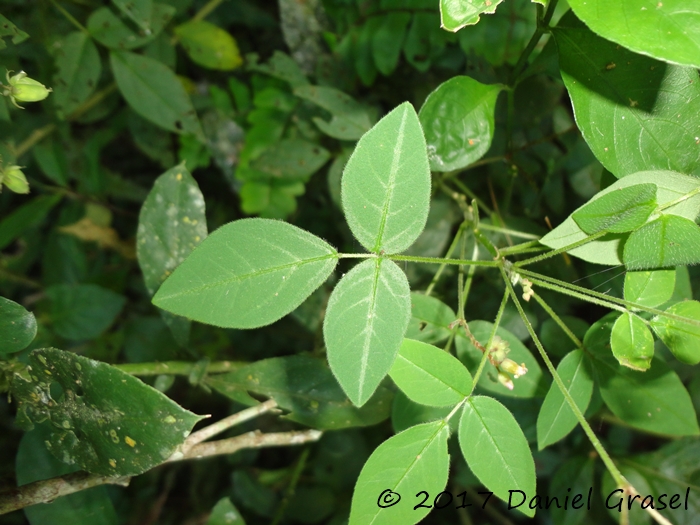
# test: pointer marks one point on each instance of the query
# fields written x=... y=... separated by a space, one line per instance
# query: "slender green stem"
x=176 y=368
x=470 y=279
x=357 y=255
x=521 y=64
x=607 y=460
x=514 y=233
x=524 y=247
x=440 y=260
x=578 y=295
x=547 y=18
x=464 y=189
x=460 y=277
x=206 y=10
x=485 y=355
x=289 y=493
x=563 y=249
x=557 y=320
x=685 y=197
x=452 y=247
x=70 y=18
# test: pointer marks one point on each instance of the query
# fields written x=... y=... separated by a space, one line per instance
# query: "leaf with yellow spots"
x=104 y=420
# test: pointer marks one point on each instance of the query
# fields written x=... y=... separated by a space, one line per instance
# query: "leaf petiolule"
x=429 y=375
x=385 y=187
x=405 y=464
x=248 y=273
x=667 y=241
x=556 y=419
x=618 y=212
x=683 y=339
x=631 y=342
x=365 y=323
x=495 y=449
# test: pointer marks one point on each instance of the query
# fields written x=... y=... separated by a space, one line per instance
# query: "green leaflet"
x=654 y=401
x=154 y=92
x=306 y=388
x=430 y=319
x=248 y=273
x=387 y=41
x=17 y=327
x=631 y=342
x=649 y=288
x=79 y=68
x=208 y=45
x=577 y=474
x=556 y=419
x=636 y=113
x=667 y=241
x=683 y=339
x=531 y=384
x=458 y=121
x=350 y=119
x=670 y=187
x=291 y=159
x=496 y=449
x=668 y=30
x=386 y=183
x=7 y=28
x=365 y=322
x=140 y=11
x=225 y=513
x=429 y=375
x=26 y=217
x=406 y=413
x=405 y=464
x=553 y=338
x=106 y=422
x=111 y=31
x=74 y=313
x=619 y=211
x=456 y=14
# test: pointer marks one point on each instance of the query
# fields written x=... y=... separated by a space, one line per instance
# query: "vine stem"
x=176 y=368
x=70 y=18
x=563 y=249
x=452 y=247
x=440 y=260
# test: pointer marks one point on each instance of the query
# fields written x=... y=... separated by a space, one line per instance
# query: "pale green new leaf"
x=106 y=421
x=670 y=186
x=154 y=92
x=617 y=212
x=456 y=14
x=635 y=113
x=385 y=187
x=556 y=419
x=649 y=288
x=667 y=241
x=429 y=375
x=631 y=342
x=208 y=45
x=458 y=121
x=405 y=464
x=79 y=68
x=683 y=339
x=668 y=30
x=496 y=449
x=350 y=119
x=430 y=319
x=17 y=327
x=364 y=326
x=248 y=273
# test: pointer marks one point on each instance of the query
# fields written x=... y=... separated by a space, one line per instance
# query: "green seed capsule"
x=24 y=89
x=15 y=180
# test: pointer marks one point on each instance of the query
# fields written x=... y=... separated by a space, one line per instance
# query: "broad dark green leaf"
x=111 y=31
x=26 y=217
x=365 y=323
x=556 y=419
x=665 y=242
x=576 y=474
x=423 y=43
x=619 y=211
x=458 y=121
x=683 y=339
x=82 y=311
x=496 y=449
x=386 y=183
x=631 y=342
x=51 y=157
x=154 y=92
x=248 y=273
x=616 y=500
x=306 y=388
x=140 y=12
x=350 y=119
x=668 y=30
x=456 y=14
x=405 y=464
x=208 y=45
x=430 y=319
x=387 y=41
x=553 y=338
x=291 y=159
x=429 y=375
x=649 y=288
x=670 y=186
x=34 y=463
x=530 y=385
x=654 y=401
x=106 y=421
x=225 y=513
x=635 y=113
x=79 y=70
x=17 y=327
x=7 y=28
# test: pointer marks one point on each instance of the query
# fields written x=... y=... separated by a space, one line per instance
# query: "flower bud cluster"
x=506 y=366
